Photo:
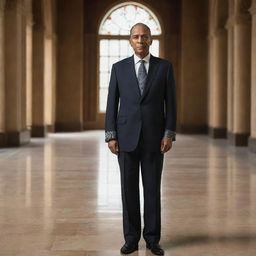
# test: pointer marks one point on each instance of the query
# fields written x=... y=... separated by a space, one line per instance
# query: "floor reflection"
x=61 y=196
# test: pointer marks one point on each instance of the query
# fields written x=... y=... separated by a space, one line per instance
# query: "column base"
x=191 y=129
x=252 y=144
x=69 y=127
x=238 y=139
x=15 y=139
x=50 y=128
x=3 y=141
x=38 y=131
x=217 y=133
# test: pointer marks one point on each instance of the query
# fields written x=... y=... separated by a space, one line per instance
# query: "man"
x=140 y=127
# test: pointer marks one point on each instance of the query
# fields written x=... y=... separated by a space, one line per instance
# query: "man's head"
x=140 y=39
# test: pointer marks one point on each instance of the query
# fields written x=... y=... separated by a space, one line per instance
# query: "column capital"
x=220 y=31
x=2 y=7
x=30 y=22
x=10 y=4
x=48 y=35
x=252 y=10
x=242 y=19
x=210 y=36
x=16 y=6
x=13 y=4
x=230 y=22
x=38 y=26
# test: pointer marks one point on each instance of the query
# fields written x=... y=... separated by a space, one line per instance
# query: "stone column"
x=193 y=70
x=15 y=76
x=38 y=76
x=242 y=76
x=252 y=139
x=219 y=85
x=2 y=89
x=29 y=28
x=50 y=64
x=211 y=78
x=211 y=59
x=49 y=83
x=218 y=72
x=23 y=47
x=70 y=65
x=230 y=70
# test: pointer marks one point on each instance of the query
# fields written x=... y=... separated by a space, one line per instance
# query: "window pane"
x=103 y=99
x=120 y=19
x=113 y=60
x=103 y=64
x=130 y=50
x=154 y=49
x=104 y=80
x=103 y=47
x=114 y=47
x=123 y=47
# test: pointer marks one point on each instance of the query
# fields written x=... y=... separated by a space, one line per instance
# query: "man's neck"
x=142 y=56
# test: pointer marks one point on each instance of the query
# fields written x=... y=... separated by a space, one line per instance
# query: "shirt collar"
x=137 y=59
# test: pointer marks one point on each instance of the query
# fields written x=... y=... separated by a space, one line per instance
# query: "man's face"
x=140 y=40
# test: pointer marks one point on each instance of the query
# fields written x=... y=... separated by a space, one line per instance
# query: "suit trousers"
x=151 y=164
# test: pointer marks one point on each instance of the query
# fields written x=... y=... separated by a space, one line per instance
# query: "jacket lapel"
x=153 y=65
x=132 y=75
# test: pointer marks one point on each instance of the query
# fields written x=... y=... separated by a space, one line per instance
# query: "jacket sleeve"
x=112 y=107
x=170 y=105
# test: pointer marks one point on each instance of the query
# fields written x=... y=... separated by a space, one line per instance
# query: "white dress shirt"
x=137 y=63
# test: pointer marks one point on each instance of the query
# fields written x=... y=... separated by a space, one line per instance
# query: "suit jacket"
x=129 y=113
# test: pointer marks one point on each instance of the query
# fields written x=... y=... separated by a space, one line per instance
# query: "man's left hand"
x=166 y=145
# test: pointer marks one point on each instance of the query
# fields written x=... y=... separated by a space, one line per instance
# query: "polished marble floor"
x=60 y=196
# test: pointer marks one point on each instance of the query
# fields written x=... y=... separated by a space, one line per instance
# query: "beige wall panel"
x=230 y=83
x=13 y=66
x=38 y=77
x=242 y=76
x=220 y=80
x=50 y=64
x=253 y=75
x=15 y=73
x=194 y=66
x=2 y=89
x=29 y=74
x=70 y=68
x=217 y=81
x=211 y=80
x=48 y=82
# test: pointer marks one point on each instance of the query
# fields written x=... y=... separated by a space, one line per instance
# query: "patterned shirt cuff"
x=110 y=135
x=170 y=134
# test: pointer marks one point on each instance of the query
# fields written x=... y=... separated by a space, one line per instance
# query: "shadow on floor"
x=203 y=239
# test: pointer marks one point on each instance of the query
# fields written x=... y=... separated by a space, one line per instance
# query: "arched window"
x=114 y=44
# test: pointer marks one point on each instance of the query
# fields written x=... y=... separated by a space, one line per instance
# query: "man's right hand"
x=113 y=146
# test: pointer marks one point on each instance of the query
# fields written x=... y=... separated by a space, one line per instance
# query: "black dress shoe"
x=129 y=248
x=155 y=249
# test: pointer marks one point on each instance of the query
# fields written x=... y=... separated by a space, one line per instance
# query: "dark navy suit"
x=139 y=123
